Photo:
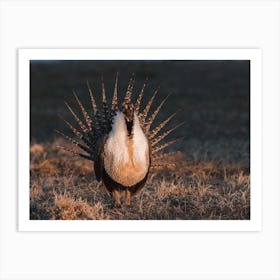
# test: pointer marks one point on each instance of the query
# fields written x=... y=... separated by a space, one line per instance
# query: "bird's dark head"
x=128 y=111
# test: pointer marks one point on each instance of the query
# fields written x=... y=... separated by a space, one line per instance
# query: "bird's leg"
x=117 y=197
x=127 y=197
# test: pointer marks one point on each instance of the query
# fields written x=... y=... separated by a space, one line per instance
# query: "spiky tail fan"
x=98 y=123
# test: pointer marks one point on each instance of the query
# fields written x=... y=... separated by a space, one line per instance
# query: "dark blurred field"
x=211 y=174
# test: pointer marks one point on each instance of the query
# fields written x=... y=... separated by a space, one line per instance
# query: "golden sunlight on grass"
x=65 y=188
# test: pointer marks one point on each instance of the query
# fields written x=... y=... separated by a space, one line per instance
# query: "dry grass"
x=197 y=187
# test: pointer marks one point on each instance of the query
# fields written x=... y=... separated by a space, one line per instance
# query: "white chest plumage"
x=126 y=159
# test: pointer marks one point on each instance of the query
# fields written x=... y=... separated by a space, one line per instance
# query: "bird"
x=117 y=137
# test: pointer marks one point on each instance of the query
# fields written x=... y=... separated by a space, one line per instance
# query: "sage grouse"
x=118 y=139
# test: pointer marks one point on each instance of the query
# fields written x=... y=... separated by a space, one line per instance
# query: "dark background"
x=214 y=97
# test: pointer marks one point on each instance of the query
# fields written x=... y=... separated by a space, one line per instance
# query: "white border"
x=24 y=57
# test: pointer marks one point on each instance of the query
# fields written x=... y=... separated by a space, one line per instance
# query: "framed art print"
x=139 y=139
